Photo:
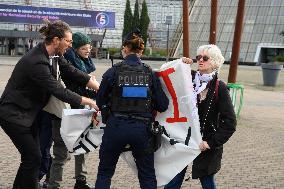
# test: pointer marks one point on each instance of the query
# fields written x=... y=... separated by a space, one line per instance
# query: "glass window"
x=206 y=27
x=219 y=28
x=196 y=10
x=274 y=11
x=280 y=19
x=193 y=27
x=242 y=57
x=223 y=10
x=228 y=55
x=253 y=10
x=200 y=27
x=258 y=28
x=256 y=37
x=279 y=28
x=194 y=35
x=230 y=45
x=271 y=19
x=234 y=3
x=222 y=46
x=231 y=10
x=205 y=18
x=267 y=38
x=231 y=19
x=276 y=2
x=264 y=2
x=277 y=38
x=263 y=10
x=225 y=36
x=248 y=28
x=260 y=19
x=194 y=17
x=252 y=2
x=269 y=29
x=249 y=57
x=246 y=37
x=204 y=36
x=226 y=2
x=244 y=47
x=252 y=47
x=250 y=20
x=221 y=18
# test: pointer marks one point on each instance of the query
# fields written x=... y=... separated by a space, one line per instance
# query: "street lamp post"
x=168 y=23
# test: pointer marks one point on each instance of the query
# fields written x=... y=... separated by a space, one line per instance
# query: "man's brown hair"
x=54 y=29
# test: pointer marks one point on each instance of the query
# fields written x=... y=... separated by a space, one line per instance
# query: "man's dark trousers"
x=45 y=139
x=27 y=142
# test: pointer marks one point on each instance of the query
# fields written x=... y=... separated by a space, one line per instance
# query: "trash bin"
x=270 y=73
x=237 y=95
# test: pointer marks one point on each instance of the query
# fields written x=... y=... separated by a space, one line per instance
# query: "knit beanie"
x=80 y=39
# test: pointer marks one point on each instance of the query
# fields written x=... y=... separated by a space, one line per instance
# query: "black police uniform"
x=124 y=127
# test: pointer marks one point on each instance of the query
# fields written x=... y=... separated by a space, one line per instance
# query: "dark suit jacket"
x=32 y=82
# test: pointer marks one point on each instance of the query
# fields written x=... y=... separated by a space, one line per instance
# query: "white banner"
x=181 y=123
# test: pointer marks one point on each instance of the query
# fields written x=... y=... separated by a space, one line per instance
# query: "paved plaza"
x=253 y=157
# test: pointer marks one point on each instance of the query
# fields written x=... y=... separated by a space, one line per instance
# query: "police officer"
x=129 y=95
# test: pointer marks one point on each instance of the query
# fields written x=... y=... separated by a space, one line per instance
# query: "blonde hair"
x=214 y=53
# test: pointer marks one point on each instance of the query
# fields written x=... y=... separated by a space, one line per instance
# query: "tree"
x=136 y=18
x=128 y=19
x=144 y=22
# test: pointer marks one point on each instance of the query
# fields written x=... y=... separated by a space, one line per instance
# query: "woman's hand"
x=187 y=60
x=204 y=146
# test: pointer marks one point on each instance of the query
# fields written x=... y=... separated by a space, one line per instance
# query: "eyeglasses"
x=86 y=48
x=68 y=41
x=205 y=58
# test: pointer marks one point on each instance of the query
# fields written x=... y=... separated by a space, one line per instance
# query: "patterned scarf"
x=200 y=81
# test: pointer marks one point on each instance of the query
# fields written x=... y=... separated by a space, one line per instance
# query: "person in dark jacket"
x=128 y=95
x=78 y=56
x=33 y=81
x=216 y=115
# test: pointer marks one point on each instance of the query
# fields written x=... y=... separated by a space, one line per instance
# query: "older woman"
x=216 y=115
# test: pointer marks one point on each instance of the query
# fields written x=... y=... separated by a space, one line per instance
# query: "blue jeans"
x=207 y=182
x=176 y=182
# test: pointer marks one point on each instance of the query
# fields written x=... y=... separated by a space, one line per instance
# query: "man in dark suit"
x=33 y=80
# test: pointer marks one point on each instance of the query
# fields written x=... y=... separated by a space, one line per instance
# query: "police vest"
x=132 y=89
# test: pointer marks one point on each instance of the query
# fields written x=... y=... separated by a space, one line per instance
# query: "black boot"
x=81 y=183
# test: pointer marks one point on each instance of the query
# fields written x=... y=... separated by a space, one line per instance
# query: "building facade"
x=263 y=22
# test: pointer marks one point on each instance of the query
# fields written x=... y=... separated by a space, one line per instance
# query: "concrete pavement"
x=253 y=157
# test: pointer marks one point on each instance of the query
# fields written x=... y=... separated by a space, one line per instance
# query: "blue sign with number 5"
x=35 y=15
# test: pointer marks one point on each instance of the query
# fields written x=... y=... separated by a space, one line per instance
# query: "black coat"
x=84 y=64
x=217 y=123
x=32 y=82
